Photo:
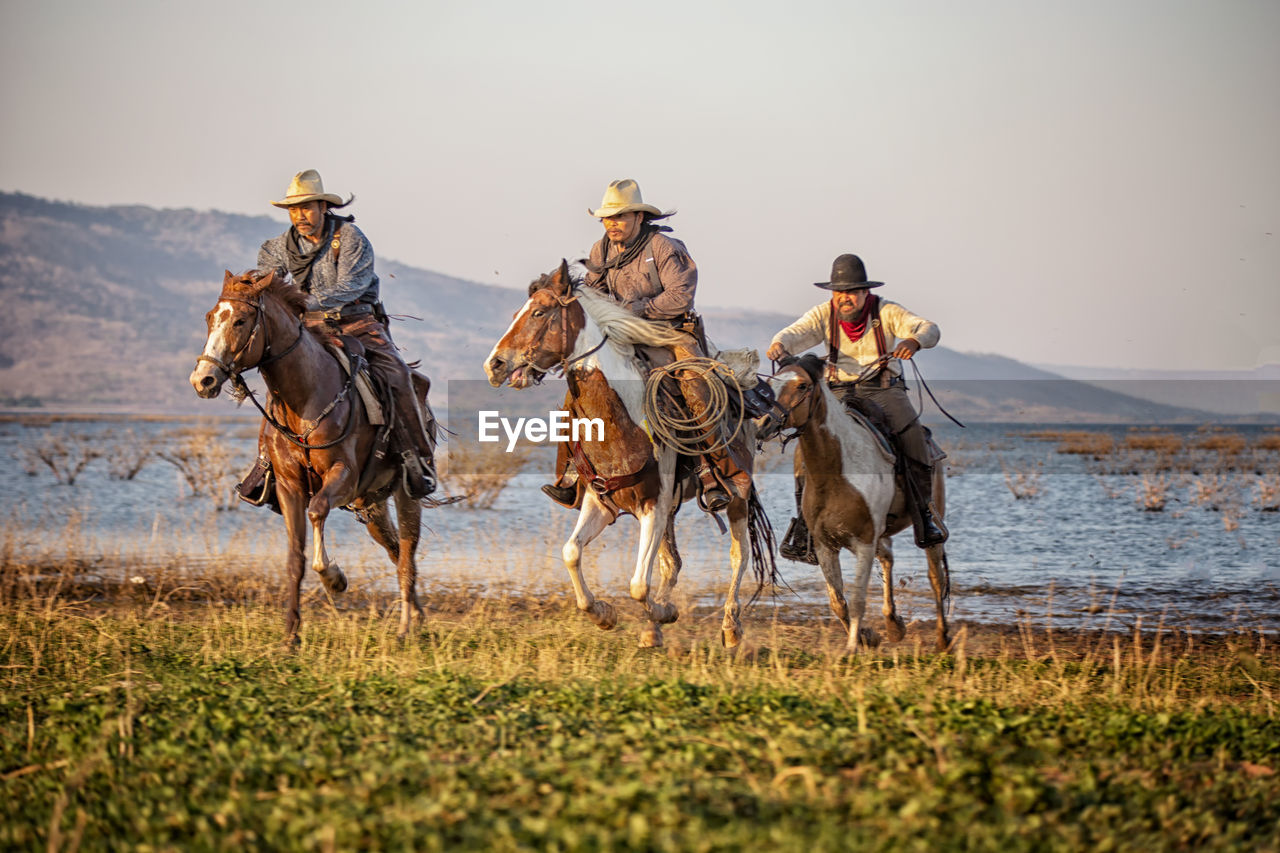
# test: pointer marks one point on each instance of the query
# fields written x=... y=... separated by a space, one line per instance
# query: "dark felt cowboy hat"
x=848 y=273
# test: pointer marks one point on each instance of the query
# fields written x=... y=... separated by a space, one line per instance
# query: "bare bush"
x=65 y=454
x=128 y=454
x=1269 y=494
x=1153 y=492
x=207 y=463
x=1024 y=484
x=480 y=472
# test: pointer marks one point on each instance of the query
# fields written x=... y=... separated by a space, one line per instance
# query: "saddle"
x=259 y=488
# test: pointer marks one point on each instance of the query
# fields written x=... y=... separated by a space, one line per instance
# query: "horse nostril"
x=207 y=382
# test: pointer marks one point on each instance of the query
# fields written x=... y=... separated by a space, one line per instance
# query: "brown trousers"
x=389 y=369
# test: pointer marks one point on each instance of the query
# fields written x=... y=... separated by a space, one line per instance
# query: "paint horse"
x=851 y=499
x=321 y=441
x=591 y=339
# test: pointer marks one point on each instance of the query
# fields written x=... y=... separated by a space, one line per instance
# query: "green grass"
x=523 y=727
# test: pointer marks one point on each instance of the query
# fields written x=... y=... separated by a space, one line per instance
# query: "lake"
x=1067 y=539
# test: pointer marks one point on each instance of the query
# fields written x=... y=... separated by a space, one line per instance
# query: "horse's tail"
x=761 y=539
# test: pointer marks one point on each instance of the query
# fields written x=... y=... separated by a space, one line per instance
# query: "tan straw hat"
x=623 y=197
x=306 y=187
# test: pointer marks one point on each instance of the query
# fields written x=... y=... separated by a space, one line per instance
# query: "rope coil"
x=690 y=436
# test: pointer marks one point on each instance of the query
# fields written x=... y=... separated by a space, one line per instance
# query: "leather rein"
x=242 y=390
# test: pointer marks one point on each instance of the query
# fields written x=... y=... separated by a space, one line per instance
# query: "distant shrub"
x=66 y=455
x=208 y=464
x=480 y=472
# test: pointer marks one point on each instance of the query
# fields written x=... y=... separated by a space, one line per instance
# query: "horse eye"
x=538 y=312
x=238 y=322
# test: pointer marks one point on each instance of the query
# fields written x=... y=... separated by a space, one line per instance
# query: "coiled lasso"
x=688 y=436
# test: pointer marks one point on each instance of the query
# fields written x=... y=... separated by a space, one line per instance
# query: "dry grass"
x=1158 y=440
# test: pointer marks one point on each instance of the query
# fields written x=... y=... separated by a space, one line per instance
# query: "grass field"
x=134 y=721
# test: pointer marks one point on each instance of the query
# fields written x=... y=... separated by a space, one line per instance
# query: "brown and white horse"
x=591 y=338
x=850 y=499
x=320 y=441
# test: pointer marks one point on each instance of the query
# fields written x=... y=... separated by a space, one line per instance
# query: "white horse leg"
x=731 y=625
x=893 y=624
x=591 y=520
x=650 y=537
x=859 y=636
x=661 y=610
x=318 y=510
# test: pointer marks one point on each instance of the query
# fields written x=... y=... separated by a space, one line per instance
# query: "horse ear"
x=227 y=277
x=560 y=281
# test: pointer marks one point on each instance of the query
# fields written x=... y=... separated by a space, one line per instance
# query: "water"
x=1078 y=549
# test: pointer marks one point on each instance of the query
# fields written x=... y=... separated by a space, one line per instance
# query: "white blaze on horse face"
x=219 y=344
x=502 y=350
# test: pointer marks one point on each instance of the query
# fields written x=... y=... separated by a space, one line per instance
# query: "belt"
x=346 y=312
x=883 y=379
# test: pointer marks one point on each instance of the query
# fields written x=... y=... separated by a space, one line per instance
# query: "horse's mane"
x=809 y=363
x=245 y=286
x=624 y=327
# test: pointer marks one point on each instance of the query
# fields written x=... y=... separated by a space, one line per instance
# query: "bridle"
x=534 y=349
x=779 y=414
x=240 y=390
x=230 y=368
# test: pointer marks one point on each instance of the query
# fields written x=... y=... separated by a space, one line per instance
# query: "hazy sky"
x=1091 y=183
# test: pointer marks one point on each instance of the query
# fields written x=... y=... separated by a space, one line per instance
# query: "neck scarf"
x=628 y=254
x=857 y=327
x=300 y=262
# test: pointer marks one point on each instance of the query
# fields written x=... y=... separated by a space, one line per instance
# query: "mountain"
x=1232 y=392
x=105 y=309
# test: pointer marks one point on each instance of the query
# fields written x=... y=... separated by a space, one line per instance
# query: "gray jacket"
x=332 y=285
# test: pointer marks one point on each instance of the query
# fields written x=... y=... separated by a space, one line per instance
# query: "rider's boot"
x=712 y=495
x=798 y=543
x=417 y=455
x=929 y=529
x=564 y=489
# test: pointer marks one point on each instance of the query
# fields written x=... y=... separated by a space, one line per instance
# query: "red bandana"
x=858 y=327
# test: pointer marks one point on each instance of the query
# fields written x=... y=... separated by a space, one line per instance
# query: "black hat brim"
x=842 y=286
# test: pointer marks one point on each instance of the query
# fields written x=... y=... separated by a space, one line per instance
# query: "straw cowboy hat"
x=848 y=273
x=623 y=197
x=307 y=186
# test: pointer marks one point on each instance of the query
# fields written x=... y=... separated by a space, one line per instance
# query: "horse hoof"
x=663 y=614
x=333 y=579
x=731 y=636
x=868 y=639
x=651 y=637
x=895 y=628
x=603 y=614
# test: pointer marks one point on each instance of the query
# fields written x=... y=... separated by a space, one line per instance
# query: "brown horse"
x=591 y=338
x=850 y=499
x=319 y=440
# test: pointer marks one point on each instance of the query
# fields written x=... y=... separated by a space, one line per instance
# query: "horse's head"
x=235 y=342
x=797 y=388
x=542 y=334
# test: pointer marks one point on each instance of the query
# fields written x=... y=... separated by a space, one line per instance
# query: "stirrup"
x=418 y=479
x=258 y=486
x=798 y=543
